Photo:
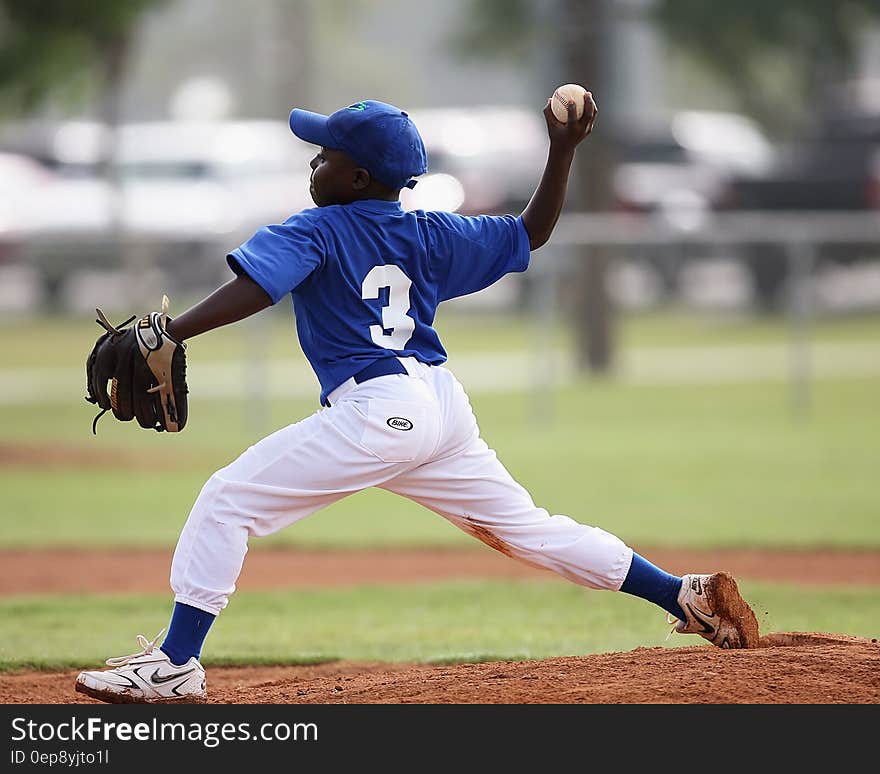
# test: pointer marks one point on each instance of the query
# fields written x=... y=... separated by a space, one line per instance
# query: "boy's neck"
x=385 y=196
x=372 y=197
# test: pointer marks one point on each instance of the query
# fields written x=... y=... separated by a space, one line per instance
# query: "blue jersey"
x=366 y=278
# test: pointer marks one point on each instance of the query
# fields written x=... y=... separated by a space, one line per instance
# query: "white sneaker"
x=146 y=677
x=715 y=610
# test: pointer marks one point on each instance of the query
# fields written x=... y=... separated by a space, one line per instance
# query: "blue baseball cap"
x=379 y=137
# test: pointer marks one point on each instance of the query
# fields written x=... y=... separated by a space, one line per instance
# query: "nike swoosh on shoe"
x=706 y=623
x=156 y=679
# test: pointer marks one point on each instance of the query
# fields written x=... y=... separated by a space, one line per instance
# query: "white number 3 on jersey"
x=394 y=314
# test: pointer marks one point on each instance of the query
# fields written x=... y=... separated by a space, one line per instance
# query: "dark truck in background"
x=835 y=168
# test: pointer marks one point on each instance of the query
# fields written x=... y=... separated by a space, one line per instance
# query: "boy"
x=366 y=279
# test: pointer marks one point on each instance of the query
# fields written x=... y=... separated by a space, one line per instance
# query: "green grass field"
x=65 y=341
x=697 y=463
x=439 y=622
x=684 y=466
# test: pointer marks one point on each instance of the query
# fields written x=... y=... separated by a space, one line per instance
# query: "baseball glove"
x=146 y=370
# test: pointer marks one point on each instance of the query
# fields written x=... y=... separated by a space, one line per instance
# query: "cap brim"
x=311 y=127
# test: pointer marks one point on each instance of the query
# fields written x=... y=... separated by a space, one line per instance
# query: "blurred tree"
x=64 y=49
x=505 y=29
x=58 y=48
x=818 y=38
x=580 y=31
x=736 y=40
x=585 y=32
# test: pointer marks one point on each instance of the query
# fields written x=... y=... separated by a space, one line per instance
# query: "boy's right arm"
x=237 y=299
x=540 y=215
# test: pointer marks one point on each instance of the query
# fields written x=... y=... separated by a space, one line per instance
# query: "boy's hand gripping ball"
x=563 y=97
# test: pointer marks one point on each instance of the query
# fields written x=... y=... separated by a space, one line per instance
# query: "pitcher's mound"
x=797 y=639
x=787 y=668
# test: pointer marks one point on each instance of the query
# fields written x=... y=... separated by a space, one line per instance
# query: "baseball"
x=565 y=95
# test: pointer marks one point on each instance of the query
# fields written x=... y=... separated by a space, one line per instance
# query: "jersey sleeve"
x=470 y=253
x=279 y=257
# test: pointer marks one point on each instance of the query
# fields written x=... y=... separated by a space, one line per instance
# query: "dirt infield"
x=788 y=668
x=794 y=668
x=135 y=570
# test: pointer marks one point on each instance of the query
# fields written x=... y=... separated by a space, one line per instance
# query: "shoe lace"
x=147 y=647
x=672 y=621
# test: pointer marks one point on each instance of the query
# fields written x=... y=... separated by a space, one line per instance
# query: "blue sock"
x=658 y=586
x=186 y=633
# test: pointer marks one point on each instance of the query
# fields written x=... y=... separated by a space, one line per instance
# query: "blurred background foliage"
x=71 y=50
x=478 y=73
x=777 y=59
x=784 y=53
x=806 y=47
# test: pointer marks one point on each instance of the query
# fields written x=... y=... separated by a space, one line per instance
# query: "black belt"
x=383 y=367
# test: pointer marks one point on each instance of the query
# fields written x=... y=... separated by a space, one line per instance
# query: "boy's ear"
x=361 y=179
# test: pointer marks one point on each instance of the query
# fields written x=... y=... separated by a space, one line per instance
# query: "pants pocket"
x=394 y=430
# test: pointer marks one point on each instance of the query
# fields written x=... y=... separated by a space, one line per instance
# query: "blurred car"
x=496 y=153
x=834 y=166
x=681 y=165
x=66 y=196
x=177 y=192
x=21 y=180
x=192 y=180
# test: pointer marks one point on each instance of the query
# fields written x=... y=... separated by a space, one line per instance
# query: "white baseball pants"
x=414 y=434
